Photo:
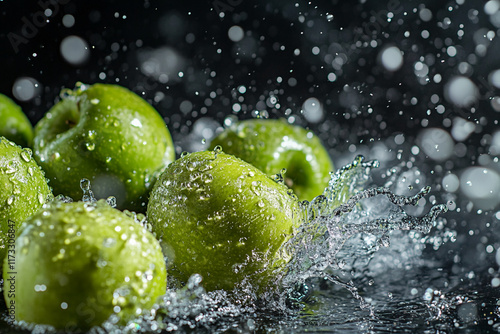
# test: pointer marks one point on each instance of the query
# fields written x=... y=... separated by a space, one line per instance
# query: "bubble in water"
x=25 y=88
x=313 y=110
x=75 y=50
x=391 y=58
x=436 y=143
x=461 y=91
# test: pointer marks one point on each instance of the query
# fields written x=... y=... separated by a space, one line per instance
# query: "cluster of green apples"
x=222 y=213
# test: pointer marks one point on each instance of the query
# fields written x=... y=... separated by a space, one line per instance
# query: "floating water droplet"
x=111 y=200
x=218 y=149
x=88 y=195
x=391 y=58
x=75 y=50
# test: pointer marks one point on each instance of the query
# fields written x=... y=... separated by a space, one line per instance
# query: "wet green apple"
x=23 y=191
x=14 y=125
x=222 y=218
x=271 y=145
x=109 y=135
x=77 y=264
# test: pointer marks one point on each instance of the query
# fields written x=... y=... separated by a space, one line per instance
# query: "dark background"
x=361 y=83
x=365 y=103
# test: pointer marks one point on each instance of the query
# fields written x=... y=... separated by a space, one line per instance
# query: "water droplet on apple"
x=90 y=146
x=255 y=185
x=95 y=101
x=41 y=198
x=280 y=177
x=190 y=166
x=11 y=199
x=81 y=86
x=136 y=123
x=66 y=93
x=11 y=167
x=26 y=154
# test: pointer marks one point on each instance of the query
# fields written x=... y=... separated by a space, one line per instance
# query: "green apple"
x=109 y=135
x=271 y=145
x=23 y=191
x=14 y=125
x=79 y=263
x=222 y=218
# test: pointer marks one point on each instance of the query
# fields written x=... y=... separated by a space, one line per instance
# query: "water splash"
x=338 y=215
x=189 y=308
x=344 y=210
x=88 y=194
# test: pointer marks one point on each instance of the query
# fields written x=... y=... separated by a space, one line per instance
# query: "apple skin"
x=14 y=125
x=109 y=135
x=271 y=145
x=24 y=190
x=222 y=218
x=76 y=262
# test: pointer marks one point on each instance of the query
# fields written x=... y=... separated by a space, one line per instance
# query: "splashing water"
x=88 y=195
x=343 y=211
x=332 y=219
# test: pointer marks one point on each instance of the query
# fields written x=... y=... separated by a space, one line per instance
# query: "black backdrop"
x=278 y=28
x=362 y=100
